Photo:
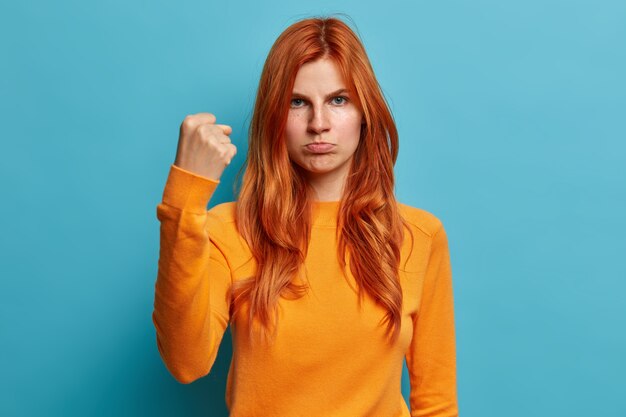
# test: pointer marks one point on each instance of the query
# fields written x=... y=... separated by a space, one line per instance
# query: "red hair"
x=273 y=207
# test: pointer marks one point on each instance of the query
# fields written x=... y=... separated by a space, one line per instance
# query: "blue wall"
x=512 y=126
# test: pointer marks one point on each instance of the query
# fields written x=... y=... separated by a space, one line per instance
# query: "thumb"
x=225 y=128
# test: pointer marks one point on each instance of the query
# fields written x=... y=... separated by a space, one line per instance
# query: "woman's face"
x=323 y=125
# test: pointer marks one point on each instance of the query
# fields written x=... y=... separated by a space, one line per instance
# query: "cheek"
x=346 y=115
x=289 y=133
x=293 y=134
x=348 y=122
x=295 y=123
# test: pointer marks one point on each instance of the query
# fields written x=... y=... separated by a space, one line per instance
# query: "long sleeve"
x=191 y=309
x=431 y=358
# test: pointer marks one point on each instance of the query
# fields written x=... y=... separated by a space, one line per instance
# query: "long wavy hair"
x=273 y=208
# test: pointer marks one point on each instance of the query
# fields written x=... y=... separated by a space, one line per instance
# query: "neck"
x=327 y=187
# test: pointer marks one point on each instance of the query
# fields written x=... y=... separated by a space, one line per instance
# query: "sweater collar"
x=324 y=213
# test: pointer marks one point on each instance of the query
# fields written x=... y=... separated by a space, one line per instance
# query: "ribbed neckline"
x=324 y=213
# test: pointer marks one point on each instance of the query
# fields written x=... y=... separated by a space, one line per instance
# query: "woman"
x=327 y=281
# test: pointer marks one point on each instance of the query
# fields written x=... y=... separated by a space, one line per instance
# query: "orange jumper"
x=330 y=358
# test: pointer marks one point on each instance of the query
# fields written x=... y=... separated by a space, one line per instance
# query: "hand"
x=204 y=147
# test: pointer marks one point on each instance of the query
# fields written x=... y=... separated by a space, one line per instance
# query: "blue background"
x=512 y=127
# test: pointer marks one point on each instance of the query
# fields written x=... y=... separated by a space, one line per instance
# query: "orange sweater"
x=329 y=358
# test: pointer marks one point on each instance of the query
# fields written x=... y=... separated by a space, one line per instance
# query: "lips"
x=321 y=147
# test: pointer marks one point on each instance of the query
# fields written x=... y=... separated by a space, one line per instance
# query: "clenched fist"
x=204 y=147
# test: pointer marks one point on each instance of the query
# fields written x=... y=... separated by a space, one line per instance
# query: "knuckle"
x=208 y=142
x=205 y=131
x=188 y=122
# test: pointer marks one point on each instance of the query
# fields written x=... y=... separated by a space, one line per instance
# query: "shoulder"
x=223 y=212
x=222 y=227
x=221 y=222
x=422 y=220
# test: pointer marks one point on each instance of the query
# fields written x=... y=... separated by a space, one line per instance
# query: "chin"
x=322 y=171
x=307 y=168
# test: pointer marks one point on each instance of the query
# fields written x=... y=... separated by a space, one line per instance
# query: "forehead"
x=321 y=75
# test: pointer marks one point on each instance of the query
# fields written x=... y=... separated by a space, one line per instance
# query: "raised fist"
x=204 y=147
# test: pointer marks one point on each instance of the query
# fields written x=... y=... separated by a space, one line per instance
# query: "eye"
x=342 y=100
x=297 y=102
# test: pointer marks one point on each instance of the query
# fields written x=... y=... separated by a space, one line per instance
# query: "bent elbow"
x=185 y=373
x=185 y=377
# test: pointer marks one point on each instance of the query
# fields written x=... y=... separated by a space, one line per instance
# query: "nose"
x=319 y=120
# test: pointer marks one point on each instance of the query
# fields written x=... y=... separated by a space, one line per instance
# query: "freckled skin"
x=317 y=116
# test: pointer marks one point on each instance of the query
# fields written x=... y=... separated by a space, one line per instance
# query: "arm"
x=190 y=303
x=431 y=358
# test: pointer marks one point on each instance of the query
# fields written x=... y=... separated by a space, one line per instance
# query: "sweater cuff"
x=188 y=191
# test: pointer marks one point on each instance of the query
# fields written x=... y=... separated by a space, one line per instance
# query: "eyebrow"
x=334 y=93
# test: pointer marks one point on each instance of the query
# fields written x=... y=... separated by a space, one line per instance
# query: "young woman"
x=326 y=280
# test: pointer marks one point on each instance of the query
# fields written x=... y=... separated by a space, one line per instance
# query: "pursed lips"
x=319 y=147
